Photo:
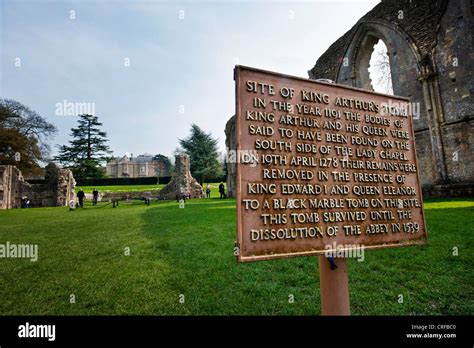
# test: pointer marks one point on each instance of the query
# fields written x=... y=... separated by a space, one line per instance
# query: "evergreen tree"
x=202 y=150
x=88 y=149
x=167 y=163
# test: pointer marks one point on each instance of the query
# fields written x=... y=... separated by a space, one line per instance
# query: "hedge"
x=122 y=181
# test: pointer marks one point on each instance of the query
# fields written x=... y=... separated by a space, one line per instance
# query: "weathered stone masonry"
x=57 y=189
x=182 y=183
x=429 y=45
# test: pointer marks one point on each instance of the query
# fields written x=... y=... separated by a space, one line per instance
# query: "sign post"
x=323 y=169
x=334 y=287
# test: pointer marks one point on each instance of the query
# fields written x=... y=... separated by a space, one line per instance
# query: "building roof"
x=420 y=21
x=146 y=158
x=142 y=159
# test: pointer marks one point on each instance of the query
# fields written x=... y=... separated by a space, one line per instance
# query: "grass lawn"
x=189 y=252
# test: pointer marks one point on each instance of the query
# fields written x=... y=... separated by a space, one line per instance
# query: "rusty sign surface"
x=322 y=167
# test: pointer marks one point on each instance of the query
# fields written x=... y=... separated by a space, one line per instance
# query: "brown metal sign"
x=322 y=168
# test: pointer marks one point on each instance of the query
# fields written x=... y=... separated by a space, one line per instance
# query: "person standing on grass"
x=222 y=190
x=95 y=196
x=208 y=191
x=80 y=196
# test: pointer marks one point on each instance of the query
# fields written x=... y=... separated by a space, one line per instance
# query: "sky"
x=150 y=69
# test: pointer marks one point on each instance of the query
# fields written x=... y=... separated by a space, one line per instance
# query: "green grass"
x=190 y=251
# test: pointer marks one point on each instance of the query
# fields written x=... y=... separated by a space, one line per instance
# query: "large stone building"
x=141 y=166
x=429 y=46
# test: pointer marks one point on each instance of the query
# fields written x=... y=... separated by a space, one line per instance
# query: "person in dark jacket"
x=95 y=196
x=80 y=197
x=222 y=190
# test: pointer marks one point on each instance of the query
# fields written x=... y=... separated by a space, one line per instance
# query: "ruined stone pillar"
x=5 y=187
x=182 y=183
x=231 y=145
x=434 y=110
x=65 y=187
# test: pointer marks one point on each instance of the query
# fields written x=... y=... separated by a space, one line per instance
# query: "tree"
x=202 y=150
x=167 y=163
x=382 y=64
x=379 y=69
x=23 y=137
x=88 y=149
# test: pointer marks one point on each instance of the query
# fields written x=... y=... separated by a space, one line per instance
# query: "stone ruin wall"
x=430 y=54
x=56 y=191
x=182 y=183
x=422 y=48
x=10 y=176
x=231 y=145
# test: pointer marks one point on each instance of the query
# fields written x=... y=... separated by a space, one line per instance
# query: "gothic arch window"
x=379 y=69
x=405 y=63
x=372 y=64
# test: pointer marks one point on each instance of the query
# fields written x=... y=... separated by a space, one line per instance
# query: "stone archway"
x=412 y=76
x=404 y=59
x=360 y=69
